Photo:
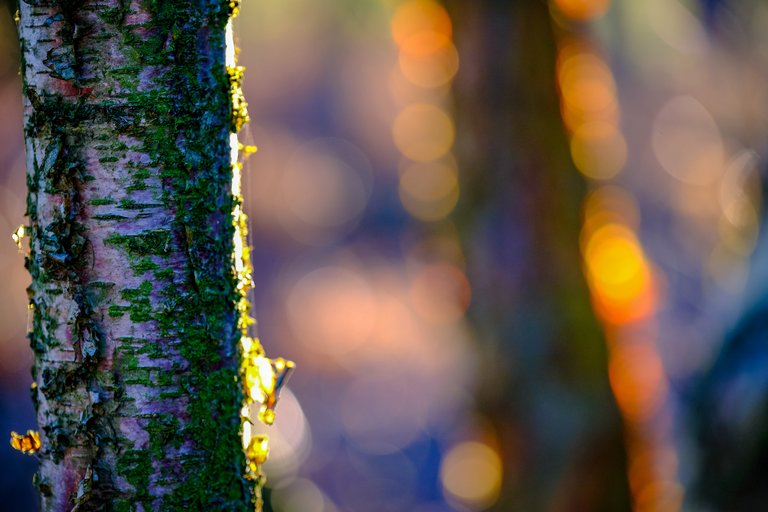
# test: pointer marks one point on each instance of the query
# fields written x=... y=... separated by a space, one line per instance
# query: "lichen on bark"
x=128 y=112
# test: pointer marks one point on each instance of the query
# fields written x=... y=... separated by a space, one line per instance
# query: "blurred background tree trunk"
x=559 y=431
x=728 y=405
x=128 y=117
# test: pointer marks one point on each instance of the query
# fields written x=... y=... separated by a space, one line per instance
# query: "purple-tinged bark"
x=135 y=326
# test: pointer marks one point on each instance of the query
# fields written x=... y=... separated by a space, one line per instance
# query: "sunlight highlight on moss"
x=239 y=105
x=264 y=377
x=28 y=443
x=258 y=449
x=261 y=377
x=19 y=235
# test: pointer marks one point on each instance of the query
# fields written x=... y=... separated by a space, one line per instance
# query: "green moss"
x=122 y=506
x=137 y=376
x=144 y=289
x=162 y=429
x=164 y=274
x=171 y=394
x=202 y=310
x=140 y=309
x=136 y=467
x=166 y=379
x=130 y=204
x=153 y=242
x=128 y=361
x=152 y=349
x=144 y=265
x=141 y=174
x=99 y=201
x=116 y=311
x=137 y=185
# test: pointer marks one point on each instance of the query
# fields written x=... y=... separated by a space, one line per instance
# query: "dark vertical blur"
x=545 y=386
x=727 y=404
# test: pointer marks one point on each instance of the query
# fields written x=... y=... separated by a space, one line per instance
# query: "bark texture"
x=128 y=117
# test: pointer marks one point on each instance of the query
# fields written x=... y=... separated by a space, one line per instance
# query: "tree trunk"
x=545 y=389
x=128 y=112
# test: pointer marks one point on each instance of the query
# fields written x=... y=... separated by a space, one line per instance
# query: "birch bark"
x=128 y=116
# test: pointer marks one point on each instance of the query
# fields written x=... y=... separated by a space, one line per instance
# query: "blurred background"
x=515 y=249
